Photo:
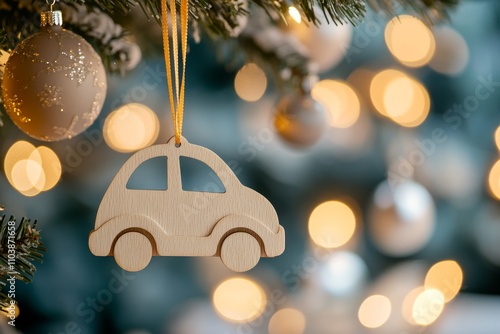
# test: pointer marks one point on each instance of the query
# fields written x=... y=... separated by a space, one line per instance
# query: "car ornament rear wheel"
x=133 y=251
x=240 y=251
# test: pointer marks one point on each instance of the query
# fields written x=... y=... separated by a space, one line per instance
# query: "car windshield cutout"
x=197 y=176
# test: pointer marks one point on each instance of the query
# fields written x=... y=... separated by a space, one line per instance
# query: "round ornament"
x=402 y=218
x=300 y=120
x=54 y=83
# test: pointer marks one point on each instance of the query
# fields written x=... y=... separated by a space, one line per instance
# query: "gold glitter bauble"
x=54 y=84
x=300 y=120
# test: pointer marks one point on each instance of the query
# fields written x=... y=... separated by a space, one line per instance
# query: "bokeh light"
x=339 y=100
x=445 y=276
x=400 y=97
x=28 y=174
x=407 y=102
x=494 y=179
x=332 y=224
x=31 y=170
x=287 y=321
x=131 y=127
x=51 y=166
x=374 y=311
x=20 y=150
x=452 y=54
x=409 y=40
x=250 y=82
x=497 y=138
x=295 y=14
x=7 y=311
x=343 y=273
x=239 y=300
x=378 y=86
x=408 y=302
x=402 y=218
x=428 y=306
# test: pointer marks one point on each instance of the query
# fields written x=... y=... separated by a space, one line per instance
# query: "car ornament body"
x=239 y=225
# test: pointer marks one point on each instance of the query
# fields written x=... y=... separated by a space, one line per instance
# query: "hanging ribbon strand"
x=177 y=100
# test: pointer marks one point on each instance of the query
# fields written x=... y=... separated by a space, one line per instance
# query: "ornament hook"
x=51 y=4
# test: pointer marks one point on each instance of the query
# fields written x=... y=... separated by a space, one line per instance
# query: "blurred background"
x=383 y=169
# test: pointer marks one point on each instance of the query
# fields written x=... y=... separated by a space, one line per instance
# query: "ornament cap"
x=51 y=18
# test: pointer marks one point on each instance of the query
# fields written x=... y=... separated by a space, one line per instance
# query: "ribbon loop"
x=175 y=94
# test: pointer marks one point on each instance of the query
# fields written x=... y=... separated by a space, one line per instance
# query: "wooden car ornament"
x=239 y=225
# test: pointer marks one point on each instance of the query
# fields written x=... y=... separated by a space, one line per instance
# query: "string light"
x=339 y=100
x=50 y=164
x=374 y=311
x=31 y=170
x=250 y=82
x=408 y=303
x=445 y=276
x=295 y=14
x=332 y=224
x=239 y=300
x=400 y=97
x=427 y=307
x=497 y=137
x=494 y=179
x=131 y=127
x=8 y=312
x=409 y=40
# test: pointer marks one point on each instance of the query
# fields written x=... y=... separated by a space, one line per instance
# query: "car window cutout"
x=149 y=175
x=198 y=176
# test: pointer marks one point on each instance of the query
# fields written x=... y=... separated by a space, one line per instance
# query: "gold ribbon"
x=177 y=104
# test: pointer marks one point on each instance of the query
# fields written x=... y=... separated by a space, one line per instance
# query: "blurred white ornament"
x=326 y=43
x=452 y=53
x=343 y=273
x=300 y=120
x=350 y=143
x=487 y=232
x=260 y=144
x=402 y=218
x=449 y=169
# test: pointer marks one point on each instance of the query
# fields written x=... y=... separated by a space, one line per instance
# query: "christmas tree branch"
x=19 y=20
x=218 y=18
x=214 y=15
x=20 y=245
